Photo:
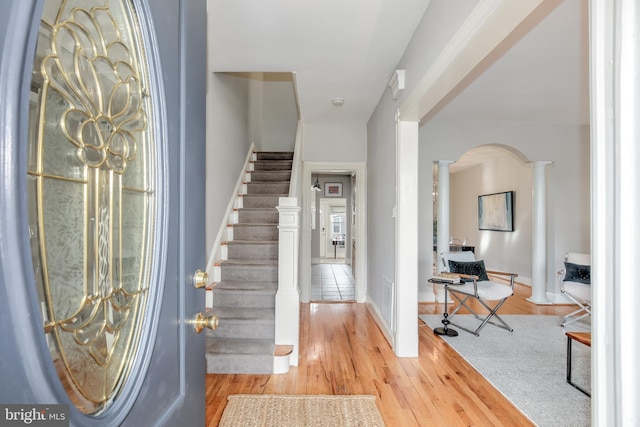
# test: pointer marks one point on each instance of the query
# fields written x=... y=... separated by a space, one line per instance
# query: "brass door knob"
x=200 y=279
x=202 y=321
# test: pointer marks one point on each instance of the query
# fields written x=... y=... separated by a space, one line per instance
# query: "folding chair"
x=477 y=286
x=575 y=283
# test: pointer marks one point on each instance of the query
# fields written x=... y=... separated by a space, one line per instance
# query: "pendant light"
x=316 y=185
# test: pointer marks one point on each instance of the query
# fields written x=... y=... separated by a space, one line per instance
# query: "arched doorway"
x=486 y=170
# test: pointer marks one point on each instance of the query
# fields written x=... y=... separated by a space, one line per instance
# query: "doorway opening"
x=331 y=272
x=332 y=230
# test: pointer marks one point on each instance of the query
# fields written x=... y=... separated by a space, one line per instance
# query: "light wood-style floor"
x=344 y=352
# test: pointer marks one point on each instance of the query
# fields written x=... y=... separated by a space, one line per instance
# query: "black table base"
x=445 y=329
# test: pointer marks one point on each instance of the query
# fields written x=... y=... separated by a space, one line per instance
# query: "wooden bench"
x=581 y=337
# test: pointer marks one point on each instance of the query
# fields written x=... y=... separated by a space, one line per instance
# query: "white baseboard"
x=522 y=280
x=558 y=298
x=377 y=317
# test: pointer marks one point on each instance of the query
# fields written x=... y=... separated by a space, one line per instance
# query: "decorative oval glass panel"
x=92 y=203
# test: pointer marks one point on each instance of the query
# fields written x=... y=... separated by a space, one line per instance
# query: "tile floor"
x=332 y=282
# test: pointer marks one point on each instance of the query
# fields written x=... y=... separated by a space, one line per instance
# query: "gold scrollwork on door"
x=91 y=191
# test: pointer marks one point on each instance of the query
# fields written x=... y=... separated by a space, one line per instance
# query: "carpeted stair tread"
x=251 y=262
x=254 y=270
x=258 y=294
x=259 y=244
x=264 y=176
x=274 y=155
x=244 y=322
x=240 y=286
x=261 y=200
x=240 y=346
x=266 y=165
x=239 y=356
x=261 y=215
x=256 y=232
x=264 y=195
x=251 y=242
x=252 y=249
x=242 y=314
x=268 y=187
x=254 y=225
x=260 y=210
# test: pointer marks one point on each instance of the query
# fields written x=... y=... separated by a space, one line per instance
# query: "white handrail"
x=214 y=254
x=296 y=169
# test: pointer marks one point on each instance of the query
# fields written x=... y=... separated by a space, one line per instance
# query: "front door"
x=102 y=140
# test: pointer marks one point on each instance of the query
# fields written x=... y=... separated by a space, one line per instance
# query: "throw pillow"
x=577 y=273
x=475 y=268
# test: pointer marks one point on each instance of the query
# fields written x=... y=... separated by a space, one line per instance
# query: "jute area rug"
x=264 y=410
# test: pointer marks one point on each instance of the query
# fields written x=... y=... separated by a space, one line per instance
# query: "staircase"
x=244 y=298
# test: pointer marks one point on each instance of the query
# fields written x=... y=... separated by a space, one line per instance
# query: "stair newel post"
x=288 y=297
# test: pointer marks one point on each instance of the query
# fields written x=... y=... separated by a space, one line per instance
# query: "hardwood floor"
x=344 y=352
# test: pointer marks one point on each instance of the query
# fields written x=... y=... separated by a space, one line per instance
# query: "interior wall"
x=272 y=116
x=503 y=173
x=440 y=21
x=228 y=142
x=335 y=143
x=381 y=200
x=256 y=106
x=243 y=108
x=279 y=112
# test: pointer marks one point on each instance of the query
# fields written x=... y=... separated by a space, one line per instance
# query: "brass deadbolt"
x=200 y=279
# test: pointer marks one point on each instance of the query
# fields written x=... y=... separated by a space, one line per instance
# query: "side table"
x=581 y=337
x=445 y=329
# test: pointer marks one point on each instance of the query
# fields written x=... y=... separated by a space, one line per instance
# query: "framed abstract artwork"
x=495 y=211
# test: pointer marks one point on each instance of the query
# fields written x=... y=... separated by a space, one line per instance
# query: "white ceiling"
x=337 y=48
x=543 y=77
x=349 y=49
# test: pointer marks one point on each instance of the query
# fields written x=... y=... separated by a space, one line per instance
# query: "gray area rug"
x=528 y=365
